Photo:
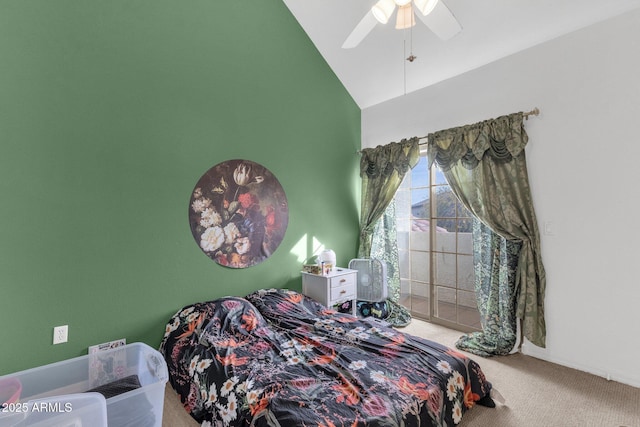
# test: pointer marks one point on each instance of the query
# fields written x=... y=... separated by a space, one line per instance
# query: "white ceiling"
x=376 y=70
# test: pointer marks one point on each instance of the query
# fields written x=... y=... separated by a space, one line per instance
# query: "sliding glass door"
x=435 y=251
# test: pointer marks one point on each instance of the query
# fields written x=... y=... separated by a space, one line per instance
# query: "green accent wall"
x=110 y=111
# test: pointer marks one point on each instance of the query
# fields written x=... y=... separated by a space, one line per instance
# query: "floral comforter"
x=278 y=358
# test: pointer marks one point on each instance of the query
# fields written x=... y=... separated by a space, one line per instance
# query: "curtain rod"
x=533 y=112
x=526 y=115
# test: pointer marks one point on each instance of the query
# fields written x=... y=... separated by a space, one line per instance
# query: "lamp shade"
x=383 y=10
x=328 y=256
x=405 y=18
x=425 y=6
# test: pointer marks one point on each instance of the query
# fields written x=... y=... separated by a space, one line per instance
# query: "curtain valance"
x=383 y=160
x=502 y=139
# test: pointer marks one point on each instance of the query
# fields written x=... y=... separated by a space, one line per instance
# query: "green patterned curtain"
x=485 y=166
x=495 y=264
x=384 y=246
x=382 y=170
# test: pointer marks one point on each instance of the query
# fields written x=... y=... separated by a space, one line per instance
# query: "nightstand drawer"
x=344 y=280
x=345 y=291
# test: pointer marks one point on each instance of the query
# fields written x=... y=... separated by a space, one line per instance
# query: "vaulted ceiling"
x=376 y=70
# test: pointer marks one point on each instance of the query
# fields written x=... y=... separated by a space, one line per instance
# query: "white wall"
x=584 y=166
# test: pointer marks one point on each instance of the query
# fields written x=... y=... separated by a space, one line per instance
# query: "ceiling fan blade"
x=441 y=21
x=360 y=31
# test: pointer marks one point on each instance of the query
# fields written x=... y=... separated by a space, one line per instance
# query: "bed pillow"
x=233 y=318
x=208 y=322
x=272 y=303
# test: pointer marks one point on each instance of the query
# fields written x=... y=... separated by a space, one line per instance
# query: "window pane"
x=405 y=263
x=465 y=225
x=420 y=266
x=420 y=235
x=406 y=182
x=402 y=225
x=405 y=287
x=403 y=238
x=446 y=304
x=420 y=202
x=420 y=303
x=467 y=300
x=403 y=204
x=445 y=202
x=465 y=237
x=468 y=313
x=440 y=179
x=419 y=289
x=420 y=173
x=445 y=269
x=462 y=211
x=445 y=241
x=465 y=273
x=446 y=225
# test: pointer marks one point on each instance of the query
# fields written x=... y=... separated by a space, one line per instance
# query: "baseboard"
x=611 y=374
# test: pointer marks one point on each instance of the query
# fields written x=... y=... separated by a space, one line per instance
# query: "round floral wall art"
x=238 y=213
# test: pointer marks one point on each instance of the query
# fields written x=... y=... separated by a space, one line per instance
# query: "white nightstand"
x=335 y=288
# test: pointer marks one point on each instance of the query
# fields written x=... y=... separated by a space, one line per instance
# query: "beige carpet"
x=536 y=393
x=174 y=414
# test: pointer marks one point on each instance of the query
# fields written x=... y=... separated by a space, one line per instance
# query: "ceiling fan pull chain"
x=411 y=56
x=404 y=65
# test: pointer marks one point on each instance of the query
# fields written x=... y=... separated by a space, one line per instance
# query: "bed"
x=278 y=358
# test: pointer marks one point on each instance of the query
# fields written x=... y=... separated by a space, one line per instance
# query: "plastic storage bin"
x=132 y=379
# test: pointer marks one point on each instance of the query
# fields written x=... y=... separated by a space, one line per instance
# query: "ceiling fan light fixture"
x=405 y=17
x=383 y=10
x=425 y=6
x=402 y=2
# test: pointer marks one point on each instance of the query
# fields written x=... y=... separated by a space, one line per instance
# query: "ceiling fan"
x=435 y=14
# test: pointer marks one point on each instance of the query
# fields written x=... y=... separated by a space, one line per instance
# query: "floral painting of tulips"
x=238 y=213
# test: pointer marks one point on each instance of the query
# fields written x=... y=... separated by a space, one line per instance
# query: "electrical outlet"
x=549 y=228
x=60 y=334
